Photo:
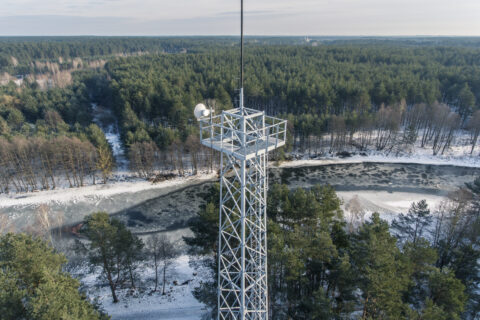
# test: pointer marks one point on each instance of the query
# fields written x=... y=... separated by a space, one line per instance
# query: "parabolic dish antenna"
x=201 y=111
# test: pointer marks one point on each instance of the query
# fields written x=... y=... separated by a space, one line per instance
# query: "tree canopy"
x=34 y=286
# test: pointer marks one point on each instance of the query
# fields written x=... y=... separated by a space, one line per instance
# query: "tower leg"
x=242 y=240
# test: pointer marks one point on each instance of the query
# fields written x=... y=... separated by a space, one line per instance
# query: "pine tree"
x=381 y=269
x=448 y=293
x=319 y=306
x=105 y=162
x=466 y=101
x=102 y=247
x=421 y=262
x=112 y=247
x=410 y=227
x=432 y=312
x=205 y=225
x=33 y=285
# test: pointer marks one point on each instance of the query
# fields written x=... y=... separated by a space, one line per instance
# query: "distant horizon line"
x=248 y=36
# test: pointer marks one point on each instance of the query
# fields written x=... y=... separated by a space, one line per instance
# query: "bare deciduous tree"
x=357 y=212
x=453 y=220
x=163 y=251
x=192 y=146
x=47 y=224
x=473 y=127
x=143 y=158
x=387 y=124
x=105 y=162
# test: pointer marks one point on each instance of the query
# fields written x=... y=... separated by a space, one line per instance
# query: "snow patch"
x=387 y=204
x=95 y=192
x=178 y=303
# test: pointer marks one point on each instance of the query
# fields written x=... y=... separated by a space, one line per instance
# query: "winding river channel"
x=387 y=188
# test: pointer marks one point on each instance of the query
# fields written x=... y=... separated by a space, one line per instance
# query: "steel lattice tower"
x=244 y=137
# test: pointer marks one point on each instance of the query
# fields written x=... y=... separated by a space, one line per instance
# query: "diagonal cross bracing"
x=244 y=137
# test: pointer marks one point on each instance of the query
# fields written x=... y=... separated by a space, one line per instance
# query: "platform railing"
x=225 y=134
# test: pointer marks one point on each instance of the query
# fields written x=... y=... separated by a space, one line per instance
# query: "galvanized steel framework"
x=244 y=137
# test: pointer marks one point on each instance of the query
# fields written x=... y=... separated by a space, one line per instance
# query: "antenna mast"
x=241 y=56
x=243 y=137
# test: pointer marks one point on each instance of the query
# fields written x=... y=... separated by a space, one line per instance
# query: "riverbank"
x=93 y=192
x=68 y=207
x=132 y=184
x=458 y=160
x=385 y=187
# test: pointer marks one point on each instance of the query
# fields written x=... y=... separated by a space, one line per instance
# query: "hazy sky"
x=220 y=17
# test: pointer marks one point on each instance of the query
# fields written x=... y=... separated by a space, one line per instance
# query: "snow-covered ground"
x=98 y=191
x=358 y=206
x=178 y=303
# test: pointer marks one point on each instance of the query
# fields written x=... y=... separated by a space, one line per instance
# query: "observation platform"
x=243 y=133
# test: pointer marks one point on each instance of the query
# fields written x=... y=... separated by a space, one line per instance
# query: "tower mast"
x=243 y=136
x=241 y=56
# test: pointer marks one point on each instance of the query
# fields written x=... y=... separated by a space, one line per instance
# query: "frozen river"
x=391 y=177
x=388 y=188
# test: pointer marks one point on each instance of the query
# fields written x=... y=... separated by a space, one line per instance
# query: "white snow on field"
x=387 y=204
x=178 y=303
x=93 y=192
